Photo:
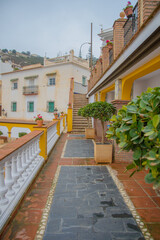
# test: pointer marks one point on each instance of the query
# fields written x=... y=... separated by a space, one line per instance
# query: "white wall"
x=58 y=93
x=151 y=80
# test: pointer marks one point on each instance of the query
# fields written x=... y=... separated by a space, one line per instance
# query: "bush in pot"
x=102 y=111
x=137 y=127
x=86 y=113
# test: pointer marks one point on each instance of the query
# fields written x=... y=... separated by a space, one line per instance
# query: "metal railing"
x=30 y=90
x=131 y=25
x=110 y=56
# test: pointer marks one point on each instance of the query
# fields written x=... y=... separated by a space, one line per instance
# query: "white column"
x=9 y=181
x=3 y=188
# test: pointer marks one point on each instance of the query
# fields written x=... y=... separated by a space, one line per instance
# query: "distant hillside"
x=20 y=59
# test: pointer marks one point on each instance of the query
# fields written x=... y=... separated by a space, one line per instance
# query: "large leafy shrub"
x=102 y=111
x=137 y=127
x=1 y=133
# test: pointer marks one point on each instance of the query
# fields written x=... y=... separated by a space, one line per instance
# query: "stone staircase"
x=79 y=123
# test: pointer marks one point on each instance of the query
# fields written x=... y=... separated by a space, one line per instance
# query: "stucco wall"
x=151 y=80
x=58 y=93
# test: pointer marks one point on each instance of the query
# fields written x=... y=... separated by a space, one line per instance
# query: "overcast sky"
x=55 y=26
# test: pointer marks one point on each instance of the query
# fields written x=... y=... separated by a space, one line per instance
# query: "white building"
x=4 y=67
x=40 y=89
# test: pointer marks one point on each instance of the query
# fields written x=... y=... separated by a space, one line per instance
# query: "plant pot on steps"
x=90 y=133
x=103 y=152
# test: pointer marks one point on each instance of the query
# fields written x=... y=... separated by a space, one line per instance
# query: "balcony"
x=131 y=25
x=30 y=90
x=110 y=56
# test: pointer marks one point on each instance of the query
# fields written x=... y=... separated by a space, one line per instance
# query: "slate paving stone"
x=89 y=208
x=79 y=148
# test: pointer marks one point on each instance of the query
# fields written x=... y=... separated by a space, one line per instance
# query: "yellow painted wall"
x=127 y=81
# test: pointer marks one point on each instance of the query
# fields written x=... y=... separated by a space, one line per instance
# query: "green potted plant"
x=39 y=120
x=1 y=133
x=137 y=127
x=128 y=9
x=109 y=44
x=102 y=111
x=21 y=134
x=86 y=113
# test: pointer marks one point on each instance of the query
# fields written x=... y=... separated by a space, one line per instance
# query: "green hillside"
x=20 y=59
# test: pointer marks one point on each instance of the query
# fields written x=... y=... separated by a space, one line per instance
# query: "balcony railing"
x=110 y=56
x=131 y=25
x=29 y=90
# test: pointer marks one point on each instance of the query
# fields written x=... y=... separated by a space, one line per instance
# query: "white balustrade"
x=17 y=171
x=52 y=137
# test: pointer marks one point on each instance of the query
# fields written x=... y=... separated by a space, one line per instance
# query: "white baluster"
x=9 y=181
x=19 y=168
x=31 y=157
x=24 y=164
x=15 y=173
x=29 y=169
x=3 y=188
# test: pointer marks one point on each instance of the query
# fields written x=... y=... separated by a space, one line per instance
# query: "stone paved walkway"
x=88 y=206
x=27 y=219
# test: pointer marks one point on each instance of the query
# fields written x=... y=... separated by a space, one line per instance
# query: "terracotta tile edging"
x=44 y=219
x=130 y=205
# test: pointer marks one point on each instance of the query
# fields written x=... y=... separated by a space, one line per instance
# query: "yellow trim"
x=103 y=92
x=58 y=127
x=43 y=143
x=69 y=120
x=147 y=68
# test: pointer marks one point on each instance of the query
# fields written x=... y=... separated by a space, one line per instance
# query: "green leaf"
x=131 y=166
x=148 y=133
x=142 y=104
x=137 y=154
x=134 y=118
x=132 y=108
x=137 y=136
x=149 y=178
x=153 y=136
x=155 y=120
x=133 y=173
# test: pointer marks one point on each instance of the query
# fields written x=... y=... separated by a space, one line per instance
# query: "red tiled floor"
x=154 y=229
x=156 y=200
x=26 y=221
x=143 y=202
x=135 y=192
x=150 y=215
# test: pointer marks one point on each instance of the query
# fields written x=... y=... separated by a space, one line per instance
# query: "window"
x=13 y=106
x=52 y=81
x=50 y=106
x=30 y=106
x=83 y=80
x=14 y=85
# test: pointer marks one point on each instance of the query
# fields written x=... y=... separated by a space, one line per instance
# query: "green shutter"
x=51 y=106
x=83 y=80
x=31 y=106
x=13 y=106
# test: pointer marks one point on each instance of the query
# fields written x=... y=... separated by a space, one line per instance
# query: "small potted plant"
x=109 y=44
x=39 y=120
x=86 y=113
x=62 y=114
x=128 y=10
x=55 y=115
x=102 y=111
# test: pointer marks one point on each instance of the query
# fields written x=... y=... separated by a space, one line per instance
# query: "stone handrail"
x=20 y=162
x=52 y=135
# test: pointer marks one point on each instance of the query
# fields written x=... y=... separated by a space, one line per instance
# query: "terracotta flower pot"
x=128 y=12
x=90 y=133
x=103 y=152
x=39 y=123
x=110 y=46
